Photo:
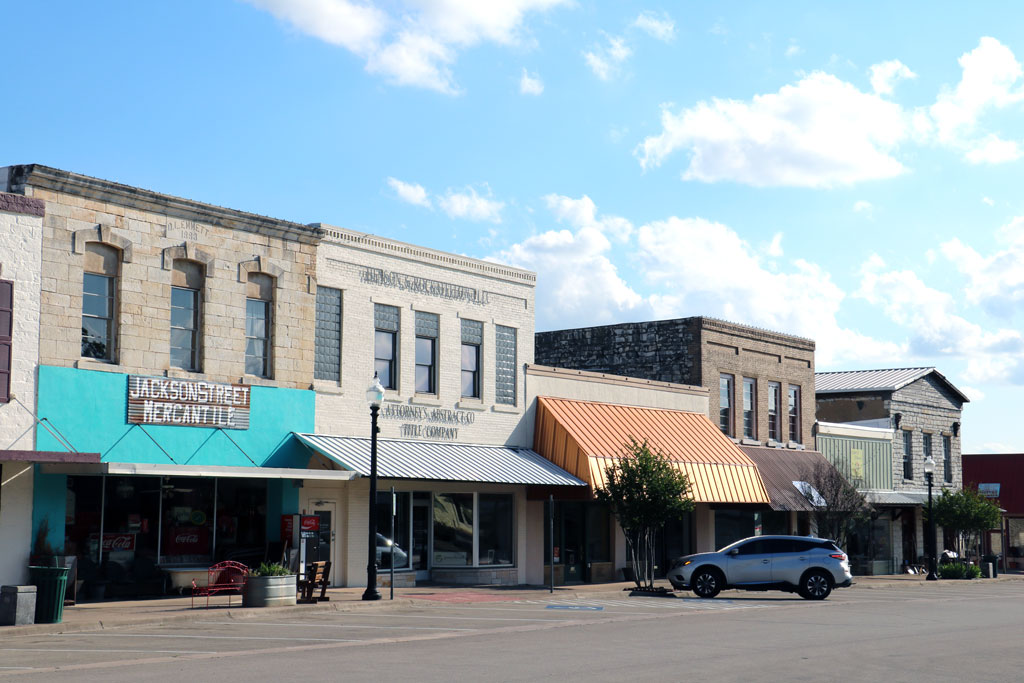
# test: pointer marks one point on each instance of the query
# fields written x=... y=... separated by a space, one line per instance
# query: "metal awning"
x=434 y=461
x=780 y=469
x=896 y=498
x=49 y=456
x=156 y=469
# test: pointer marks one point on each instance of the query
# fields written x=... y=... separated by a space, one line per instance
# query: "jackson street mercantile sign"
x=187 y=403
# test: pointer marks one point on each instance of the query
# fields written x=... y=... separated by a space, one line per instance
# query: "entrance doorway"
x=323 y=548
x=582 y=542
x=421 y=535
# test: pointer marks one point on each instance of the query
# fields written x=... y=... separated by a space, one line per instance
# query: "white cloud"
x=996 y=281
x=410 y=42
x=606 y=60
x=582 y=213
x=973 y=393
x=471 y=206
x=988 y=201
x=411 y=193
x=794 y=49
x=989 y=82
x=930 y=318
x=530 y=84
x=775 y=247
x=885 y=75
x=659 y=26
x=863 y=206
x=819 y=132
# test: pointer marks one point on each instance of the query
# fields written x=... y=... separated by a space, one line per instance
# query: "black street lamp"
x=929 y=472
x=374 y=396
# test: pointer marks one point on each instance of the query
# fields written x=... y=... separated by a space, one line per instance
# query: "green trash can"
x=50 y=583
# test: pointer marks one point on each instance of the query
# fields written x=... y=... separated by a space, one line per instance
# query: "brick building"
x=763 y=381
x=916 y=412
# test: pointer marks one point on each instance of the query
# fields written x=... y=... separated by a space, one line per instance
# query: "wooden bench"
x=318 y=575
x=224 y=577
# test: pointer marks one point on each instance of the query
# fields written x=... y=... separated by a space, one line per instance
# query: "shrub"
x=959 y=571
x=272 y=569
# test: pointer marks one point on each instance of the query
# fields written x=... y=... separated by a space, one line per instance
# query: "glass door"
x=421 y=535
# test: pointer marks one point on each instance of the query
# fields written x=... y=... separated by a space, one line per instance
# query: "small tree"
x=967 y=513
x=644 y=491
x=839 y=506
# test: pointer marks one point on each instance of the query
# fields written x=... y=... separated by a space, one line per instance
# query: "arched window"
x=101 y=269
x=186 y=301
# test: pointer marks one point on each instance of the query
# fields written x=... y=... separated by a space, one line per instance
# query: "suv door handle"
x=765 y=561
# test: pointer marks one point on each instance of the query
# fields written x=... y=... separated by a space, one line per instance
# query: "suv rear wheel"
x=707 y=583
x=815 y=585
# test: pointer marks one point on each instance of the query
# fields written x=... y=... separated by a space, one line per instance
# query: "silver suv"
x=809 y=566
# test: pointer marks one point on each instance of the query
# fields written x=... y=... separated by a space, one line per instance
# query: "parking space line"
x=321 y=624
x=148 y=652
x=449 y=616
x=204 y=637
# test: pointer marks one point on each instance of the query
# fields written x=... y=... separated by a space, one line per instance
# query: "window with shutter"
x=6 y=334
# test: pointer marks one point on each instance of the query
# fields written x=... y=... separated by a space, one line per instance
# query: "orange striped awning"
x=585 y=437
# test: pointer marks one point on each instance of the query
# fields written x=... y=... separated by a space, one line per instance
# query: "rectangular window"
x=749 y=405
x=926 y=446
x=794 y=414
x=6 y=339
x=453 y=529
x=385 y=344
x=908 y=454
x=257 y=337
x=725 y=404
x=184 y=328
x=774 y=416
x=495 y=526
x=393 y=549
x=505 y=365
x=472 y=339
x=427 y=329
x=947 y=459
x=97 y=316
x=327 y=356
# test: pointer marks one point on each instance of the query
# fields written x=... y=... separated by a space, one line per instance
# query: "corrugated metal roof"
x=876 y=380
x=779 y=468
x=429 y=460
x=718 y=471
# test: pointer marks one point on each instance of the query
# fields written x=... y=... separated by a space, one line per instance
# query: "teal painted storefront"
x=89 y=409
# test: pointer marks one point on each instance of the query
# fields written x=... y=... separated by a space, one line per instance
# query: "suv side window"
x=804 y=546
x=780 y=545
x=759 y=547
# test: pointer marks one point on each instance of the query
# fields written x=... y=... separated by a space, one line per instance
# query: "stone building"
x=881 y=426
x=763 y=381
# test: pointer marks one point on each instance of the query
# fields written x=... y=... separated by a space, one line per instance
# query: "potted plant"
x=271 y=584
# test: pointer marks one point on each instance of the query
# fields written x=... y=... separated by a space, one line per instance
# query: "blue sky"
x=850 y=174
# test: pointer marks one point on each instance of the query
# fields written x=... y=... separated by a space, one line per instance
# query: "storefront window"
x=453 y=529
x=733 y=525
x=187 y=520
x=496 y=513
x=598 y=536
x=393 y=549
x=241 y=520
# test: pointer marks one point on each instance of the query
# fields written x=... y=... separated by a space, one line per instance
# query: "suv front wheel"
x=815 y=585
x=707 y=583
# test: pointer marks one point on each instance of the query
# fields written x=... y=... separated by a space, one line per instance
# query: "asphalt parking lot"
x=249 y=648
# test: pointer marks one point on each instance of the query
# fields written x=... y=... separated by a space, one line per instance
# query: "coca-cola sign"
x=116 y=541
x=187 y=540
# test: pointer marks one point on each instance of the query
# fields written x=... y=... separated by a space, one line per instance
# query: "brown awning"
x=779 y=468
x=585 y=437
x=48 y=456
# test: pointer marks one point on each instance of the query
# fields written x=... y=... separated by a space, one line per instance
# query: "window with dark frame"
x=926 y=446
x=794 y=414
x=908 y=454
x=725 y=404
x=385 y=344
x=749 y=408
x=6 y=339
x=774 y=416
x=327 y=354
x=505 y=354
x=427 y=329
x=258 y=324
x=947 y=459
x=99 y=287
x=184 y=328
x=472 y=340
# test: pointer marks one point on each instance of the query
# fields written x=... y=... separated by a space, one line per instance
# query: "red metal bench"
x=224 y=577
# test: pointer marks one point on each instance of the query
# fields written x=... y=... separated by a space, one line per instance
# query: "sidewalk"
x=94 y=616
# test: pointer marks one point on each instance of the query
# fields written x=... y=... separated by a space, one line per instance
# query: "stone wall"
x=695 y=351
x=21 y=230
x=149 y=231
x=926 y=407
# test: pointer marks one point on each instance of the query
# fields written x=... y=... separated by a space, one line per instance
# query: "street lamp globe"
x=929 y=465
x=375 y=394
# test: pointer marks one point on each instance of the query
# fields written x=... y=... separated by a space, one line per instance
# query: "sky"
x=846 y=172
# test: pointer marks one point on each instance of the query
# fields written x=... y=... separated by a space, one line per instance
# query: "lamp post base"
x=371 y=594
